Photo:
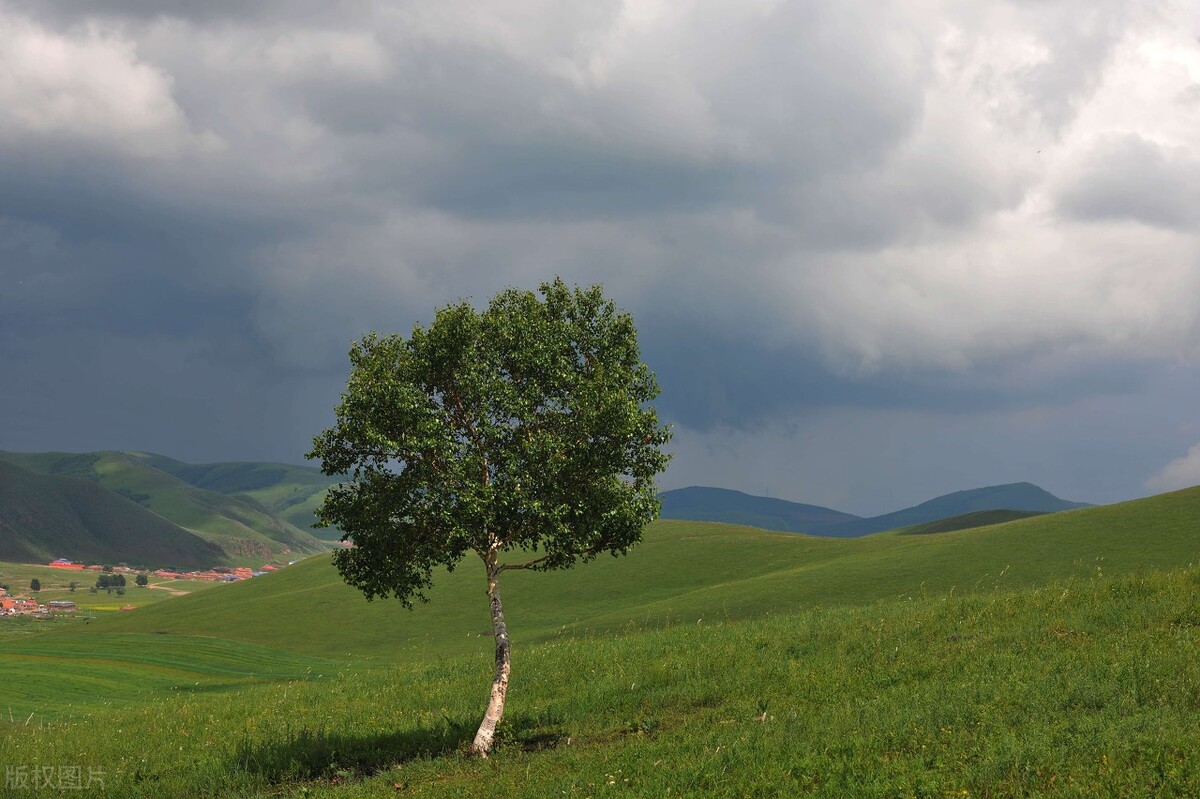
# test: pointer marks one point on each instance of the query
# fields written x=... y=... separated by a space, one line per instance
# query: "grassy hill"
x=291 y=492
x=682 y=572
x=698 y=503
x=1082 y=687
x=244 y=529
x=46 y=516
x=968 y=521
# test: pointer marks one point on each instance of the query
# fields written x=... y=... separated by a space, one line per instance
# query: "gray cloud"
x=940 y=212
x=1131 y=178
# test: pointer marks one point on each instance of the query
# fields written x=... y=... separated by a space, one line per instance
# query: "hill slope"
x=291 y=492
x=968 y=521
x=684 y=571
x=702 y=504
x=246 y=530
x=1086 y=688
x=45 y=516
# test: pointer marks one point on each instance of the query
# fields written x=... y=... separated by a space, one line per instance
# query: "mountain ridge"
x=699 y=503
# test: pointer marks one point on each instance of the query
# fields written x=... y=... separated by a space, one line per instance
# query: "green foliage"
x=110 y=581
x=35 y=584
x=522 y=428
x=142 y=580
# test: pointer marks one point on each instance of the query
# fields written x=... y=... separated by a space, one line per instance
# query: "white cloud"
x=1182 y=472
x=89 y=86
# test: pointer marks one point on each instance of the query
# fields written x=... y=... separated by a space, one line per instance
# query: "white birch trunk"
x=495 y=708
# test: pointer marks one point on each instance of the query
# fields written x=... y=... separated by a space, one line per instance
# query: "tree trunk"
x=495 y=708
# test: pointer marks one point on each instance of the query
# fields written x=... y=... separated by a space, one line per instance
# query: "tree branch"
x=526 y=565
x=529 y=564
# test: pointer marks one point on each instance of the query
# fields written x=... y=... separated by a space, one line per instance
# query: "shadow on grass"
x=308 y=754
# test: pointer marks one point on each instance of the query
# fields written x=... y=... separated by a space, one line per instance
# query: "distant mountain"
x=242 y=526
x=734 y=507
x=1011 y=496
x=697 y=503
x=47 y=516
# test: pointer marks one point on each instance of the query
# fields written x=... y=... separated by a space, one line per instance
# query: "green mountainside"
x=291 y=492
x=241 y=526
x=734 y=507
x=47 y=516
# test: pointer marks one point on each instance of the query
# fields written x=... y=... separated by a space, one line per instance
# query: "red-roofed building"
x=63 y=563
x=10 y=606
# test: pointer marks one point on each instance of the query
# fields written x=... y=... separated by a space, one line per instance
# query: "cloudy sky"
x=876 y=252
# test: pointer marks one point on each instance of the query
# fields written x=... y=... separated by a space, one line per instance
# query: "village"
x=21 y=605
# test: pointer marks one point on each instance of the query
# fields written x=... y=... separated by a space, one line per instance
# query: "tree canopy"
x=521 y=428
x=522 y=433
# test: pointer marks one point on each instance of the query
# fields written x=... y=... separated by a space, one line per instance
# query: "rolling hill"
x=980 y=518
x=734 y=507
x=1010 y=659
x=290 y=492
x=46 y=516
x=241 y=526
x=684 y=570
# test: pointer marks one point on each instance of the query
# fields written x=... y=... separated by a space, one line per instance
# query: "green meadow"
x=56 y=584
x=1048 y=656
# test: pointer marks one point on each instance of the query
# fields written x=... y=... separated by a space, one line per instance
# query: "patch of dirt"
x=168 y=589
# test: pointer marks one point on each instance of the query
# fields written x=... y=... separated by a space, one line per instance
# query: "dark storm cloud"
x=712 y=381
x=809 y=207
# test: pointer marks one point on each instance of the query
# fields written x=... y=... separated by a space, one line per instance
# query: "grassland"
x=967 y=521
x=56 y=584
x=1048 y=656
x=687 y=571
x=1081 y=688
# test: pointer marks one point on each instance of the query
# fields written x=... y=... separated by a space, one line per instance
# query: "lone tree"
x=35 y=584
x=142 y=580
x=522 y=434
